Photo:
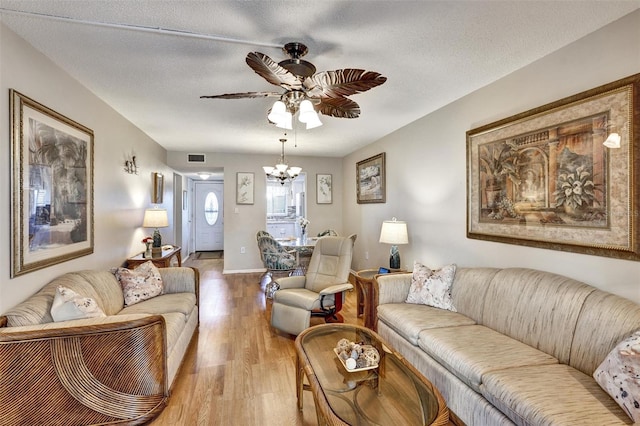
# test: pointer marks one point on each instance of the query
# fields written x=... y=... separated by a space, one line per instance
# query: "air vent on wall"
x=195 y=158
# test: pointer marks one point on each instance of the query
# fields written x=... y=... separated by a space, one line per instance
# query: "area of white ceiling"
x=432 y=52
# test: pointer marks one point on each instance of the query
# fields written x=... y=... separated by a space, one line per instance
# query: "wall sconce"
x=613 y=140
x=130 y=165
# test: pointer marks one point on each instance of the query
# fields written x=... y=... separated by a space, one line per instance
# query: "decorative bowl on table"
x=356 y=356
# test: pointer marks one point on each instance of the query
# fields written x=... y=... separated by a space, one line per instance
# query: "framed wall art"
x=370 y=180
x=244 y=188
x=157 y=188
x=543 y=178
x=324 y=189
x=52 y=186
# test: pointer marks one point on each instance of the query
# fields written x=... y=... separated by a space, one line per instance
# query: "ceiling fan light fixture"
x=294 y=171
x=286 y=121
x=314 y=122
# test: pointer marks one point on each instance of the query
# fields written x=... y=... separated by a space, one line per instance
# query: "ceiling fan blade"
x=268 y=69
x=243 y=95
x=340 y=83
x=338 y=107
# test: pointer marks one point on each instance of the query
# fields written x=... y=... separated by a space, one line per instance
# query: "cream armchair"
x=319 y=292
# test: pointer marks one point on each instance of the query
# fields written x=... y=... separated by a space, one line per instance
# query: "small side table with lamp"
x=393 y=232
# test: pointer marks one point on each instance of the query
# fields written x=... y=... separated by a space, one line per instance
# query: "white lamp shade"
x=204 y=175
x=155 y=218
x=286 y=122
x=281 y=167
x=394 y=232
x=268 y=169
x=613 y=141
x=306 y=111
x=294 y=171
x=314 y=122
x=277 y=112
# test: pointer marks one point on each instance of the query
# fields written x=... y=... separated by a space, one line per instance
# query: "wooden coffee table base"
x=392 y=393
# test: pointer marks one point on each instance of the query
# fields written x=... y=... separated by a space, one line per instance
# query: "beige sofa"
x=521 y=349
x=114 y=369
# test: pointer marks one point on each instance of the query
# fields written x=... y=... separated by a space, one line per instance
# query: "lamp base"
x=394 y=258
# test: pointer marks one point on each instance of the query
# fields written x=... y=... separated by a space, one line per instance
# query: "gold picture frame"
x=52 y=186
x=543 y=178
x=157 y=188
x=371 y=184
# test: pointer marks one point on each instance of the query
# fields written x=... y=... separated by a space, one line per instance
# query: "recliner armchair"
x=319 y=292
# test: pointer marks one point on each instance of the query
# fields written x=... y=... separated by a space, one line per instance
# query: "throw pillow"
x=618 y=375
x=141 y=283
x=432 y=288
x=69 y=305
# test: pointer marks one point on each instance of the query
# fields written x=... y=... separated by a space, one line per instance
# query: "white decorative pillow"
x=619 y=375
x=432 y=288
x=69 y=305
x=141 y=283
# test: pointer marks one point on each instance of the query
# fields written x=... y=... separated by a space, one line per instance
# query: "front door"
x=209 y=220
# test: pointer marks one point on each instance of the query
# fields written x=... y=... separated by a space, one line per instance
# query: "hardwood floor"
x=238 y=370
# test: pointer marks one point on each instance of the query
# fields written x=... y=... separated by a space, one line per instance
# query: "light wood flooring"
x=239 y=371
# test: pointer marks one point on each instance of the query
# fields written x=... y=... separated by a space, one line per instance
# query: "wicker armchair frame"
x=112 y=373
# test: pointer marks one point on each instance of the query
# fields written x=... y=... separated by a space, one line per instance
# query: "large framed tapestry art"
x=544 y=178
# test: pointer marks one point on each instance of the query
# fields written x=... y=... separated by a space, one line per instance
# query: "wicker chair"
x=328 y=232
x=275 y=257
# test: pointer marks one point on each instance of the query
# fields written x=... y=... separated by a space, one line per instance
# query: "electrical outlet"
x=243 y=250
x=366 y=255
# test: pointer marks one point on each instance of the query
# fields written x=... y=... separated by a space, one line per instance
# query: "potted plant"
x=575 y=191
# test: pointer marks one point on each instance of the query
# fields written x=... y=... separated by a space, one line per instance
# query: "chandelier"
x=293 y=102
x=282 y=172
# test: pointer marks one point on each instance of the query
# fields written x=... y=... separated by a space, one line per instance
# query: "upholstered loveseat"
x=115 y=368
x=521 y=348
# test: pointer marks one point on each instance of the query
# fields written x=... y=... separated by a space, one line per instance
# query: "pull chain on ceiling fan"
x=306 y=92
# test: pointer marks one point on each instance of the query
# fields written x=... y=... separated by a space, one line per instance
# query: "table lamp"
x=394 y=232
x=156 y=218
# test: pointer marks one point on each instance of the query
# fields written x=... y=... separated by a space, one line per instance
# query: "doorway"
x=208 y=216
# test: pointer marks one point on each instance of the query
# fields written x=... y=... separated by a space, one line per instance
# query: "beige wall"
x=240 y=228
x=120 y=198
x=426 y=167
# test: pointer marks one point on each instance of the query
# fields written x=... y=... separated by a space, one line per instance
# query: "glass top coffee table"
x=393 y=393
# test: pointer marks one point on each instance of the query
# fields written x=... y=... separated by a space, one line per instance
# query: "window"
x=211 y=208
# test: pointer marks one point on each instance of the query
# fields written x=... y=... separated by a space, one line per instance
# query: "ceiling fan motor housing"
x=295 y=65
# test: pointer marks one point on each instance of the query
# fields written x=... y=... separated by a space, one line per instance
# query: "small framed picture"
x=324 y=189
x=157 y=191
x=244 y=188
x=370 y=180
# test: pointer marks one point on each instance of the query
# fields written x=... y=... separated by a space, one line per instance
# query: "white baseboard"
x=243 y=271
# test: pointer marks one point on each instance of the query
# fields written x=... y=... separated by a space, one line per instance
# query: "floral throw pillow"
x=432 y=288
x=69 y=305
x=618 y=375
x=140 y=284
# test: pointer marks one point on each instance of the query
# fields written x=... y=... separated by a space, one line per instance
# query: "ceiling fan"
x=327 y=91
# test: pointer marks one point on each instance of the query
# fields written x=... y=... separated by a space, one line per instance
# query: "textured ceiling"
x=432 y=52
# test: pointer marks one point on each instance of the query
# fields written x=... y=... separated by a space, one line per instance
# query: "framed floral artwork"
x=52 y=186
x=324 y=189
x=244 y=188
x=546 y=178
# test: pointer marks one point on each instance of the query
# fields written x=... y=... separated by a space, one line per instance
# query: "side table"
x=365 y=294
x=169 y=257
